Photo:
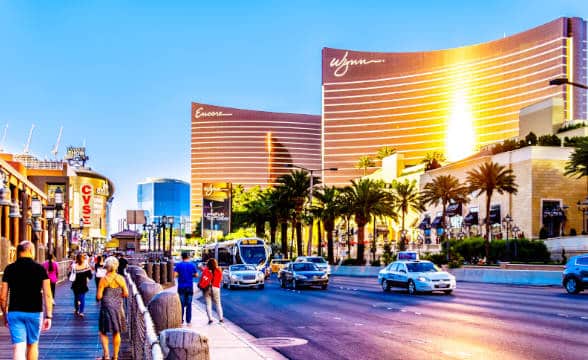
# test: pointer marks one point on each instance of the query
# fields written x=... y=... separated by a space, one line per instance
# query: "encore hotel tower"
x=451 y=101
x=248 y=147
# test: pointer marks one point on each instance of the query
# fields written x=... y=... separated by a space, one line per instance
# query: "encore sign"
x=200 y=112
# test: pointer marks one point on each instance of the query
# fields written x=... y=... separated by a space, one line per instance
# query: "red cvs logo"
x=86 y=208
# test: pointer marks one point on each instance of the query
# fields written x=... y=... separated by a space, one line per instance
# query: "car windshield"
x=305 y=267
x=317 y=260
x=254 y=254
x=421 y=267
x=242 y=267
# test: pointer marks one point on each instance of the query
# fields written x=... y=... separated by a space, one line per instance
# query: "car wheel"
x=229 y=286
x=448 y=292
x=411 y=287
x=294 y=285
x=261 y=286
x=224 y=285
x=572 y=286
x=385 y=285
x=283 y=283
x=324 y=287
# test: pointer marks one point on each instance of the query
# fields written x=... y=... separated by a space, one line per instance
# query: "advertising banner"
x=216 y=208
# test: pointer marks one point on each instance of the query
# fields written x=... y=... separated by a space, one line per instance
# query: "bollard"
x=157 y=272
x=166 y=310
x=163 y=275
x=149 y=269
x=170 y=271
x=148 y=290
x=184 y=344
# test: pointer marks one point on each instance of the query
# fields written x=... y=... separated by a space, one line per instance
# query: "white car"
x=319 y=261
x=243 y=276
x=416 y=276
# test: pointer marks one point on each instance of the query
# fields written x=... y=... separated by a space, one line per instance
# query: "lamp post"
x=515 y=231
x=506 y=222
x=311 y=172
x=566 y=81
x=49 y=215
x=170 y=221
x=583 y=207
x=163 y=227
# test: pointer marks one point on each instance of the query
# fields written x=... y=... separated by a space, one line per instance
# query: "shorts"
x=24 y=326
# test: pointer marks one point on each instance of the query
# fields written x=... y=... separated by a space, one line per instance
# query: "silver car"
x=319 y=261
x=243 y=276
x=416 y=276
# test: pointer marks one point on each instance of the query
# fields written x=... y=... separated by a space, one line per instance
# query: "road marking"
x=417 y=313
x=389 y=308
x=584 y=318
x=563 y=315
x=358 y=324
x=337 y=318
x=301 y=327
x=387 y=332
x=402 y=310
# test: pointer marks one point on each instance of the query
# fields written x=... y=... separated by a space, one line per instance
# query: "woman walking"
x=83 y=273
x=214 y=275
x=99 y=270
x=111 y=291
x=53 y=273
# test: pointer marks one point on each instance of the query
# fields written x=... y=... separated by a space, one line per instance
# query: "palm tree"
x=433 y=160
x=444 y=189
x=407 y=198
x=486 y=179
x=281 y=208
x=296 y=185
x=367 y=198
x=256 y=213
x=328 y=209
x=385 y=151
x=577 y=165
x=364 y=163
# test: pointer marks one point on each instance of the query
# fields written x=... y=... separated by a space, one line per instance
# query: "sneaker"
x=209 y=322
x=221 y=321
x=81 y=315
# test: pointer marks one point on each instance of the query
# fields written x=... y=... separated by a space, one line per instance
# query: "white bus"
x=250 y=251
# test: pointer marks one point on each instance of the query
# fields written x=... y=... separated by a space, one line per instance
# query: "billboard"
x=216 y=208
x=90 y=198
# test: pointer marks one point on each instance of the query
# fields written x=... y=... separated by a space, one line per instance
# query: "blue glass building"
x=159 y=197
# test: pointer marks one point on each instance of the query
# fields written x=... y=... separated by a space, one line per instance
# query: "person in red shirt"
x=212 y=274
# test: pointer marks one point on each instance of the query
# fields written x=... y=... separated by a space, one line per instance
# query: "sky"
x=119 y=76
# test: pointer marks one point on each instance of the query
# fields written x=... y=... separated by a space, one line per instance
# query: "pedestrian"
x=186 y=271
x=28 y=285
x=111 y=291
x=99 y=270
x=53 y=273
x=83 y=273
x=210 y=286
x=122 y=264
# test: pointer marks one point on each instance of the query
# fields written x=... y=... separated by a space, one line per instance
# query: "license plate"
x=443 y=286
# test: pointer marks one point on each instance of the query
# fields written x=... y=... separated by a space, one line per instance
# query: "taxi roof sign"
x=407 y=255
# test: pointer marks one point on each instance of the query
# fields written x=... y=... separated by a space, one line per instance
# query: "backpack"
x=205 y=281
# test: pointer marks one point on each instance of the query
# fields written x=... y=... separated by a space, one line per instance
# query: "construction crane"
x=28 y=143
x=56 y=147
x=3 y=140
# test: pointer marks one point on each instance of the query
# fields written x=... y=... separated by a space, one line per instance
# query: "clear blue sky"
x=121 y=74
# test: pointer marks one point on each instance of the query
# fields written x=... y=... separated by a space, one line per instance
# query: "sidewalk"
x=226 y=341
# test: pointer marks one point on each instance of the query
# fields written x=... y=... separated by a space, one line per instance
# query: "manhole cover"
x=279 y=342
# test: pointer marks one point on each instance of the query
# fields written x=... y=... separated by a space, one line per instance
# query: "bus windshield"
x=254 y=254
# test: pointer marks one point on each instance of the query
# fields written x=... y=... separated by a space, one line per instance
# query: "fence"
x=144 y=341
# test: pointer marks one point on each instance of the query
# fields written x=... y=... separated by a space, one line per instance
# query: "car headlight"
x=324 y=276
x=300 y=277
x=422 y=279
x=234 y=277
x=260 y=276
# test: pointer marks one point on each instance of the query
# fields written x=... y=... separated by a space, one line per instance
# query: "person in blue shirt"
x=185 y=272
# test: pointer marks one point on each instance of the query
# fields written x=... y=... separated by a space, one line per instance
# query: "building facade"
x=451 y=101
x=164 y=197
x=248 y=147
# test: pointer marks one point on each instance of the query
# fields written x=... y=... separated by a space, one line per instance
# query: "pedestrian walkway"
x=69 y=337
x=226 y=341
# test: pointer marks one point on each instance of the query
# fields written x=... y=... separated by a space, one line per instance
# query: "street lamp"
x=311 y=172
x=583 y=207
x=506 y=222
x=50 y=215
x=566 y=81
x=170 y=221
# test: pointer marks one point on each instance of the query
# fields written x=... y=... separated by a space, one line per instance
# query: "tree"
x=406 y=198
x=296 y=186
x=442 y=190
x=367 y=198
x=531 y=139
x=385 y=151
x=486 y=179
x=364 y=163
x=282 y=209
x=433 y=160
x=256 y=214
x=327 y=209
x=577 y=165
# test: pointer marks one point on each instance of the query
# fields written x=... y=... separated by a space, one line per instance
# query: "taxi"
x=278 y=264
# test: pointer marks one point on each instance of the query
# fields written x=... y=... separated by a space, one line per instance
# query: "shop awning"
x=425 y=223
x=437 y=222
x=471 y=219
x=495 y=215
x=453 y=210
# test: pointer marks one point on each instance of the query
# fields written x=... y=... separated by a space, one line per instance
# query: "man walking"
x=186 y=271
x=25 y=279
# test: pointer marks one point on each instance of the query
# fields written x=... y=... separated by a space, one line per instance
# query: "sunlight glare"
x=460 y=140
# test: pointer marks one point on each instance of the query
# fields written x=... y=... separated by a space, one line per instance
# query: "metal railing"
x=142 y=335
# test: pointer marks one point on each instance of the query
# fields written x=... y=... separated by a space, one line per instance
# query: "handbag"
x=72 y=275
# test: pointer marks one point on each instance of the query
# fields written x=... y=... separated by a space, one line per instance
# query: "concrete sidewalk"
x=226 y=341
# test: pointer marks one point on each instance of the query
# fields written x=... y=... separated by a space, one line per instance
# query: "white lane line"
x=358 y=324
x=563 y=315
x=389 y=308
x=337 y=318
x=402 y=310
x=584 y=317
x=417 y=313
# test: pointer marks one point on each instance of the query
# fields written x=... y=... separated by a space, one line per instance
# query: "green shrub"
x=531 y=139
x=387 y=256
x=549 y=140
x=375 y=262
x=573 y=232
x=472 y=250
x=348 y=262
x=437 y=259
x=543 y=233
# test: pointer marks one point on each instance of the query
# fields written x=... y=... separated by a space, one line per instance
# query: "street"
x=354 y=319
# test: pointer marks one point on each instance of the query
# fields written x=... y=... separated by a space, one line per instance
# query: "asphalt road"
x=354 y=319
